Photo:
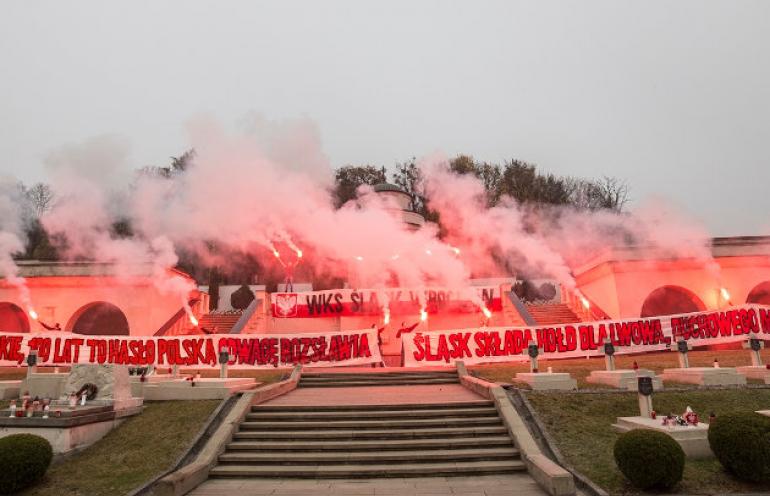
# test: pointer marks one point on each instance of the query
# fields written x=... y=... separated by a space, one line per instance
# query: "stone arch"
x=671 y=300
x=760 y=294
x=99 y=318
x=13 y=318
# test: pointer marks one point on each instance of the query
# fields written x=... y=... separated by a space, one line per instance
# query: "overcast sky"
x=673 y=97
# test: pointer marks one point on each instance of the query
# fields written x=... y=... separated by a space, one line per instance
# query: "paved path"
x=376 y=395
x=490 y=485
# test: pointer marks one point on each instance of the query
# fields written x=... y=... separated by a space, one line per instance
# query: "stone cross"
x=224 y=357
x=609 y=354
x=532 y=352
x=31 y=362
x=682 y=347
x=754 y=344
x=644 y=387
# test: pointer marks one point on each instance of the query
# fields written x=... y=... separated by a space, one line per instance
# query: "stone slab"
x=692 y=438
x=10 y=389
x=624 y=378
x=761 y=372
x=203 y=389
x=548 y=381
x=705 y=376
x=44 y=385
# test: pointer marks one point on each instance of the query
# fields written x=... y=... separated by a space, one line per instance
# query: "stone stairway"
x=553 y=313
x=377 y=379
x=369 y=441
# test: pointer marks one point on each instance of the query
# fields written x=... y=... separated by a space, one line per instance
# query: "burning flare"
x=487 y=312
x=386 y=316
x=32 y=313
x=299 y=253
x=423 y=315
x=277 y=255
x=725 y=294
x=585 y=302
x=193 y=320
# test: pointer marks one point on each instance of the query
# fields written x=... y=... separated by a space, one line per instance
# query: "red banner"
x=355 y=302
x=504 y=344
x=245 y=351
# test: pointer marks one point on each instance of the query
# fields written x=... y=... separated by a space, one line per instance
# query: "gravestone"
x=692 y=438
x=644 y=386
x=112 y=382
x=544 y=381
x=622 y=378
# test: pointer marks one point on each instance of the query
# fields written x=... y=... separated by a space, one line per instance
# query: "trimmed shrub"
x=649 y=459
x=24 y=458
x=741 y=443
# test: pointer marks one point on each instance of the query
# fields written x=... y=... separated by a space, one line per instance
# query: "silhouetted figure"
x=55 y=327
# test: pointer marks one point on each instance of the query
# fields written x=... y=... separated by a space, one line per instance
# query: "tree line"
x=516 y=179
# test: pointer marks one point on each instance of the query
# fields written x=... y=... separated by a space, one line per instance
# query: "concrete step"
x=364 y=408
x=265 y=434
x=378 y=444
x=368 y=457
x=313 y=471
x=489 y=411
x=365 y=383
x=370 y=424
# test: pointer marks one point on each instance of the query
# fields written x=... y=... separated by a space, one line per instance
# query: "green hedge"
x=649 y=459
x=24 y=458
x=741 y=443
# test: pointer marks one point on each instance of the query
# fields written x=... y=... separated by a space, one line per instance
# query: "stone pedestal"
x=755 y=372
x=548 y=381
x=44 y=385
x=692 y=438
x=203 y=389
x=624 y=378
x=10 y=389
x=112 y=381
x=705 y=376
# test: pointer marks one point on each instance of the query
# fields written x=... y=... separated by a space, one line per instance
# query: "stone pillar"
x=682 y=347
x=609 y=355
x=754 y=345
x=644 y=393
x=224 y=357
x=533 y=352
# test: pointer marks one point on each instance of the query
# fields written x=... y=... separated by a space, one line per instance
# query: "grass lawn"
x=131 y=454
x=580 y=425
x=580 y=368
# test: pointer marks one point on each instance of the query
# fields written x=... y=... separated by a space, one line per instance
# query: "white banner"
x=245 y=350
x=507 y=344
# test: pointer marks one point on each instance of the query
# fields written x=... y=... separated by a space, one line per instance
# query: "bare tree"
x=40 y=197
